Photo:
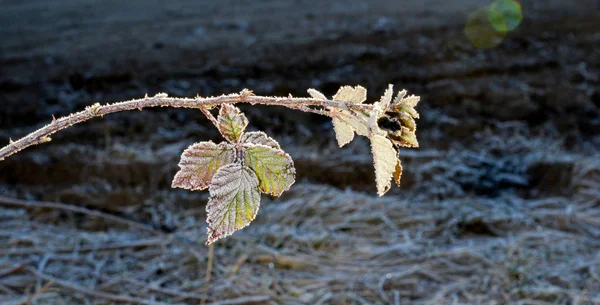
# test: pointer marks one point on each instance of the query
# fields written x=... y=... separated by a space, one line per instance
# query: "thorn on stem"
x=246 y=93
x=10 y=141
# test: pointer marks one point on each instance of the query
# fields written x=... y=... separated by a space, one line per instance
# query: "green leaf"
x=234 y=201
x=200 y=162
x=259 y=137
x=385 y=159
x=273 y=167
x=232 y=122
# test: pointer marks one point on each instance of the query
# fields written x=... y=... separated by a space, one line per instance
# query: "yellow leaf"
x=344 y=133
x=344 y=121
x=347 y=94
x=386 y=99
x=398 y=173
x=385 y=159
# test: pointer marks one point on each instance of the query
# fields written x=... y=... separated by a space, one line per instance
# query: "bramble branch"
x=237 y=170
x=42 y=135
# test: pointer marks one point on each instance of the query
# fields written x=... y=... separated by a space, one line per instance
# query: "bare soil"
x=499 y=205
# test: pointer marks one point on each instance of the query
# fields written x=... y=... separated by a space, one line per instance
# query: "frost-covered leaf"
x=316 y=94
x=346 y=122
x=273 y=167
x=386 y=99
x=232 y=122
x=403 y=103
x=405 y=137
x=398 y=173
x=234 y=201
x=200 y=162
x=373 y=122
x=408 y=121
x=344 y=133
x=259 y=137
x=347 y=94
x=385 y=159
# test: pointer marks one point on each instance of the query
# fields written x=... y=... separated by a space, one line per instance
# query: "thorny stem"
x=162 y=100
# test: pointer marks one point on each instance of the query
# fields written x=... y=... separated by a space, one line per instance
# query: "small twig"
x=6 y=201
x=238 y=264
x=14 y=268
x=261 y=299
x=61 y=206
x=210 y=116
x=179 y=294
x=32 y=297
x=132 y=244
x=96 y=294
x=211 y=252
x=19 y=301
x=42 y=135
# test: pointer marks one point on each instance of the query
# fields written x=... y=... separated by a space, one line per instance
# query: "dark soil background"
x=499 y=205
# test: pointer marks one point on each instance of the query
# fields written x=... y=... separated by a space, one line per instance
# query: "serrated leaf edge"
x=211 y=229
x=279 y=151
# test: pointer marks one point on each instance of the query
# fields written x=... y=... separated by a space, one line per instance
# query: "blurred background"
x=499 y=205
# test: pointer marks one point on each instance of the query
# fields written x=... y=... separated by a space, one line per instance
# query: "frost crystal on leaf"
x=344 y=121
x=231 y=122
x=386 y=99
x=259 y=137
x=234 y=201
x=356 y=95
x=405 y=138
x=385 y=159
x=316 y=94
x=403 y=103
x=344 y=133
x=200 y=162
x=273 y=167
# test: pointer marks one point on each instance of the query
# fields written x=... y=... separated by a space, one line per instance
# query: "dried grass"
x=441 y=241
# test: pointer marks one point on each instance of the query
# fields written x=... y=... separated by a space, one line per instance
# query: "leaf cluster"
x=247 y=164
x=389 y=125
x=235 y=172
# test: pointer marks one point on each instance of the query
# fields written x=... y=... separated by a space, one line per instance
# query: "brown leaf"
x=200 y=162
x=398 y=173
